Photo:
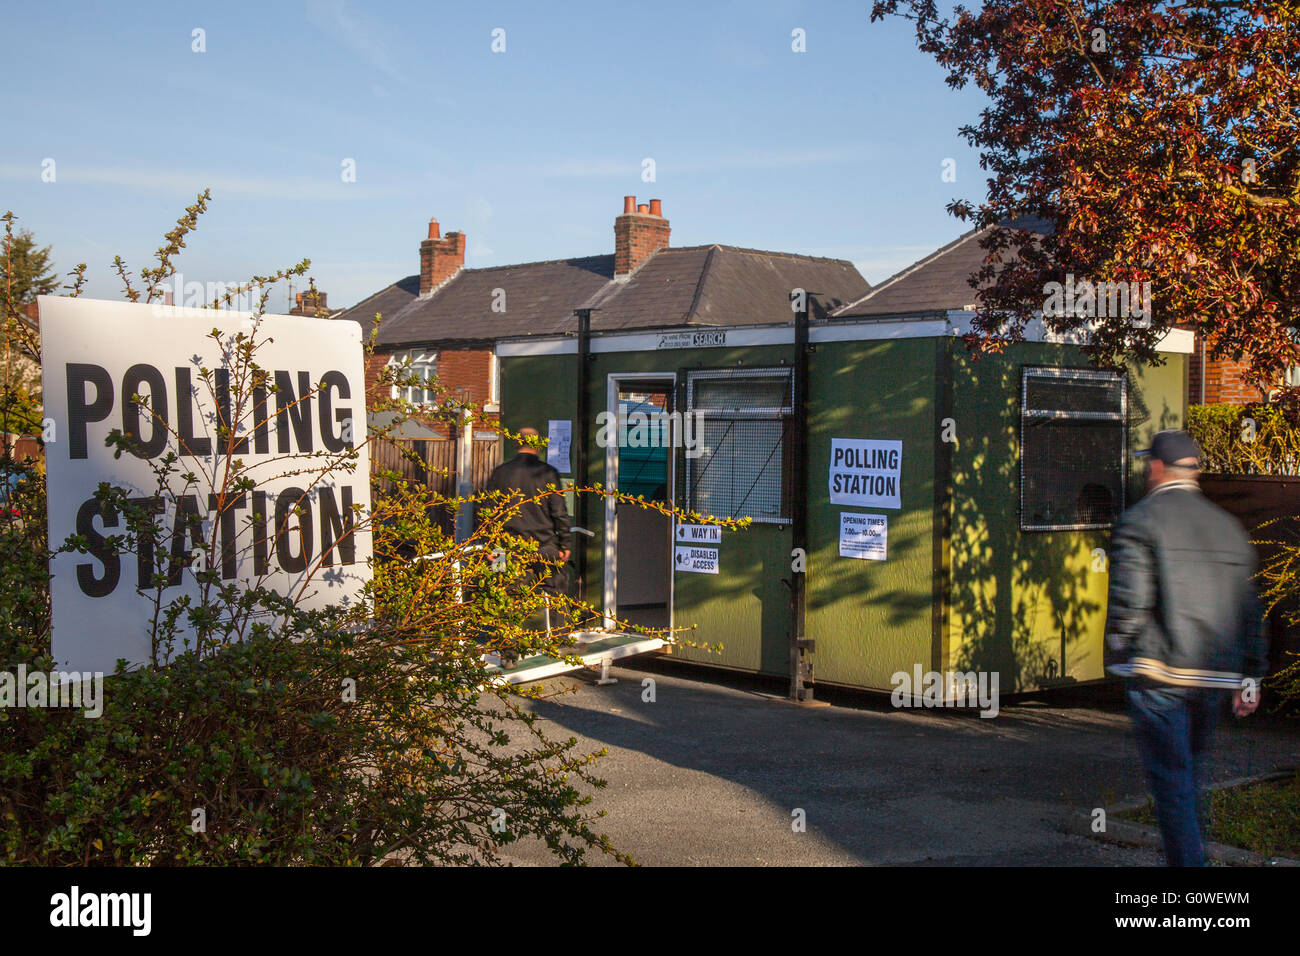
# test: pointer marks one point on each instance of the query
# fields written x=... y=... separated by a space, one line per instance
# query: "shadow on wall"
x=1029 y=605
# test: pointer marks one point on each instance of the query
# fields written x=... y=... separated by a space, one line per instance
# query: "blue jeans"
x=1173 y=726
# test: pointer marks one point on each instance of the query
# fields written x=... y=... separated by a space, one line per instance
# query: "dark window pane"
x=1074 y=395
x=741 y=472
x=1073 y=464
x=739 y=394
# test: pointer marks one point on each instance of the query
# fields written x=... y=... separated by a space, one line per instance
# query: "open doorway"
x=638 y=577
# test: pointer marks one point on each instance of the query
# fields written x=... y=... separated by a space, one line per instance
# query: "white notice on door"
x=559 y=433
x=698 y=560
x=699 y=533
x=863 y=536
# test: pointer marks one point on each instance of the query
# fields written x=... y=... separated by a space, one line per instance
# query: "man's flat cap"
x=1172 y=446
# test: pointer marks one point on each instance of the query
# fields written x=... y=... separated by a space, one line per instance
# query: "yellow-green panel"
x=743 y=607
x=870 y=618
x=1029 y=605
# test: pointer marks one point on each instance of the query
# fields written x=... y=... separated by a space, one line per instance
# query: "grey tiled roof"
x=387 y=302
x=937 y=282
x=538 y=297
x=711 y=285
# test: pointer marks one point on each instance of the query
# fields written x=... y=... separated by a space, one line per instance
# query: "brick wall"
x=466 y=372
x=374 y=365
x=1226 y=380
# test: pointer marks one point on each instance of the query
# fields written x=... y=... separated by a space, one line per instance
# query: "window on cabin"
x=743 y=417
x=1073 y=448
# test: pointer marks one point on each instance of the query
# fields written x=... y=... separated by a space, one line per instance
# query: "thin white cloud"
x=751 y=159
x=190 y=183
x=354 y=34
x=372 y=43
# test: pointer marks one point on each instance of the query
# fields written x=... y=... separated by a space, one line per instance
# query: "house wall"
x=466 y=372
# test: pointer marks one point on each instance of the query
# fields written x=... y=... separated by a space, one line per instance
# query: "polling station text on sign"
x=866 y=473
x=296 y=534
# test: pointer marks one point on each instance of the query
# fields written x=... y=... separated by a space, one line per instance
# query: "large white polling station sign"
x=866 y=473
x=293 y=533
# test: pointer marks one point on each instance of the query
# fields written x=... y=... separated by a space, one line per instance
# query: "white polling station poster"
x=293 y=533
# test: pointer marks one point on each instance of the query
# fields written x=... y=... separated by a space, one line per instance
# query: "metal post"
x=581 y=437
x=801 y=682
x=465 y=475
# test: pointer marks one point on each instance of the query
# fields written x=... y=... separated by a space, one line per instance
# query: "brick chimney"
x=309 y=303
x=638 y=233
x=440 y=259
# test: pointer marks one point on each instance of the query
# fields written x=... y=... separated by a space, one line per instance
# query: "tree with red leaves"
x=1159 y=143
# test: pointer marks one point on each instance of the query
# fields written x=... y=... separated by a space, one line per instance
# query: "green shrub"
x=1261 y=439
x=345 y=736
x=275 y=734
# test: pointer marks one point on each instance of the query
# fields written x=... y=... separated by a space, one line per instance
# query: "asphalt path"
x=715 y=774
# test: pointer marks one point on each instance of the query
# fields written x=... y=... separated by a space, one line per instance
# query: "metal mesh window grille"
x=1073 y=439
x=741 y=473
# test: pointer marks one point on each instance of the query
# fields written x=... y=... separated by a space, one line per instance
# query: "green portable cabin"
x=958 y=509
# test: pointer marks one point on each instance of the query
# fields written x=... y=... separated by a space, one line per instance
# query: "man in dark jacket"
x=546 y=520
x=1184 y=625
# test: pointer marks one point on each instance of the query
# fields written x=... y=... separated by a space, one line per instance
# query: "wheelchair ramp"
x=595 y=649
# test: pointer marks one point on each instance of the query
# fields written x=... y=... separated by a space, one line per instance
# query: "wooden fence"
x=1254 y=499
x=434 y=464
x=20 y=447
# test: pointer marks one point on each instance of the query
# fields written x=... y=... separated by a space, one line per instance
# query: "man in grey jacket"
x=1184 y=625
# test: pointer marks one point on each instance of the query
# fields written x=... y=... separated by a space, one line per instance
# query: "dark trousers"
x=553 y=575
x=1173 y=727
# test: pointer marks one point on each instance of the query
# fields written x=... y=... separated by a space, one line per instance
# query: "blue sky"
x=836 y=151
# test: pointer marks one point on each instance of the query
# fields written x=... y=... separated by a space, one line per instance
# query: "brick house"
x=446 y=319
x=1224 y=380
